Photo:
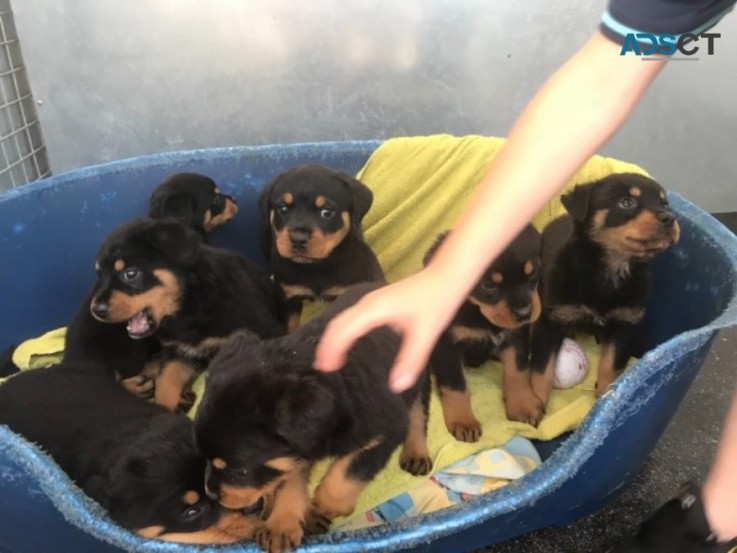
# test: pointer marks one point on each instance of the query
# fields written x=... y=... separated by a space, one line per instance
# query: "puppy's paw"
x=465 y=431
x=416 y=465
x=317 y=523
x=279 y=535
x=524 y=406
x=186 y=401
x=140 y=385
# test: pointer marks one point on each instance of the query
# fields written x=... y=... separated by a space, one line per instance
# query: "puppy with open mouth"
x=157 y=280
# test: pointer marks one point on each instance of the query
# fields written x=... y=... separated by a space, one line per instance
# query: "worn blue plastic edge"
x=559 y=468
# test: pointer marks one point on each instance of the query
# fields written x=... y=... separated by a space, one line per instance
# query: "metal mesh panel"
x=22 y=152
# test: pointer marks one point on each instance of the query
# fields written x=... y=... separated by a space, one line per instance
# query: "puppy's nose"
x=665 y=217
x=522 y=313
x=100 y=309
x=299 y=238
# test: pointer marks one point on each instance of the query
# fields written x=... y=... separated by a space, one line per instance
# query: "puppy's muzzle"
x=299 y=239
x=522 y=314
x=666 y=218
x=100 y=310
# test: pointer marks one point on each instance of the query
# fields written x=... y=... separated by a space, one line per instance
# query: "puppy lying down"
x=267 y=416
x=137 y=460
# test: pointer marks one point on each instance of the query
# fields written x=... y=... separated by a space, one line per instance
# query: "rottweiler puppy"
x=596 y=272
x=310 y=229
x=493 y=323
x=137 y=460
x=267 y=416
x=194 y=200
x=157 y=278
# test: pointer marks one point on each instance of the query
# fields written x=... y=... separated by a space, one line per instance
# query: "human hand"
x=417 y=307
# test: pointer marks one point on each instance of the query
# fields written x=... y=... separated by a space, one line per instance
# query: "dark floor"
x=684 y=452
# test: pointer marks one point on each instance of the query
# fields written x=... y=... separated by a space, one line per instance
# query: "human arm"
x=576 y=111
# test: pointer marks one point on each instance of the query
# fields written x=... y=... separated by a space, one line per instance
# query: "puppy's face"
x=308 y=211
x=626 y=213
x=247 y=459
x=507 y=293
x=139 y=274
x=159 y=492
x=193 y=200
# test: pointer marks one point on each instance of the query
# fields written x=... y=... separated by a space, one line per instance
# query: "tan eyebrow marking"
x=219 y=463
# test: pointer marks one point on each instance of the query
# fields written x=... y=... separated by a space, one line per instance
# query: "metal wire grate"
x=23 y=155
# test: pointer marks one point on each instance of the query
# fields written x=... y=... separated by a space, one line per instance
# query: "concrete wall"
x=122 y=78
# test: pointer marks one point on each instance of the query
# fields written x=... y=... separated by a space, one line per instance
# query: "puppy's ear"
x=179 y=243
x=305 y=414
x=362 y=197
x=180 y=207
x=576 y=201
x=264 y=210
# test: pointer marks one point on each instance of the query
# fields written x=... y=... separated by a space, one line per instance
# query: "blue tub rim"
x=560 y=467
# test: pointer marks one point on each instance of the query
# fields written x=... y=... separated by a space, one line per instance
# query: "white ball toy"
x=571 y=366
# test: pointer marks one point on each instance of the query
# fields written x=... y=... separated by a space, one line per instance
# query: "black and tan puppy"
x=310 y=227
x=267 y=416
x=596 y=271
x=137 y=460
x=194 y=200
x=158 y=279
x=493 y=323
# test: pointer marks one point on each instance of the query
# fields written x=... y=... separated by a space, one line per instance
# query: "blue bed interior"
x=50 y=231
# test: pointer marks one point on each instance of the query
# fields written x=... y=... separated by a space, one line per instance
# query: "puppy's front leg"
x=455 y=398
x=284 y=528
x=338 y=491
x=547 y=337
x=171 y=385
x=521 y=403
x=616 y=348
x=415 y=457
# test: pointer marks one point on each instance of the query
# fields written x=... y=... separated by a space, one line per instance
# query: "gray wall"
x=120 y=78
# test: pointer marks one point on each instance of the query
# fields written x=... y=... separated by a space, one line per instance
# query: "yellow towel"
x=40 y=352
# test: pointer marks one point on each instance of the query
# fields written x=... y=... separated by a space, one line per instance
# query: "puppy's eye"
x=327 y=213
x=131 y=274
x=195 y=511
x=217 y=201
x=282 y=209
x=488 y=286
x=628 y=202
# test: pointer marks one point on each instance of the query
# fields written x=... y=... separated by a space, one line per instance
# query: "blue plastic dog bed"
x=50 y=231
